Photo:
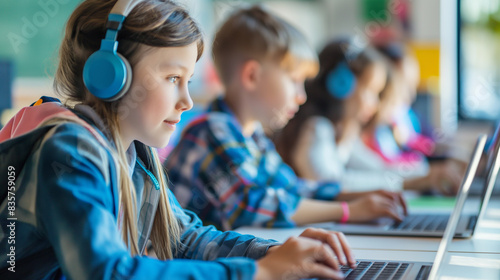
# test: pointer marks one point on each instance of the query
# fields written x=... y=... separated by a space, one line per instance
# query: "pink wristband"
x=345 y=214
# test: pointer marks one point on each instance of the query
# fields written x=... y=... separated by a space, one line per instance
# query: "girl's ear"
x=250 y=74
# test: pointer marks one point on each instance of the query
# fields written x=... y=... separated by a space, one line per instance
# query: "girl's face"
x=365 y=100
x=158 y=95
x=394 y=100
x=411 y=74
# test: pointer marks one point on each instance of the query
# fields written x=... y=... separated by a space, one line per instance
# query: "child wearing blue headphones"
x=394 y=134
x=342 y=100
x=85 y=191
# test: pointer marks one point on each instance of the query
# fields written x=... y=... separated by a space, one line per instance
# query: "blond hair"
x=254 y=33
x=156 y=23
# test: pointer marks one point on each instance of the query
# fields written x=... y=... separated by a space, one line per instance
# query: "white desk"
x=486 y=239
x=458 y=266
x=467 y=259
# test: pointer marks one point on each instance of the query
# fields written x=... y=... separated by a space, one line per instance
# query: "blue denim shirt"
x=66 y=204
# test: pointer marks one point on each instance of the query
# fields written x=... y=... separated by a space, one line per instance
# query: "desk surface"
x=458 y=266
x=486 y=239
x=467 y=259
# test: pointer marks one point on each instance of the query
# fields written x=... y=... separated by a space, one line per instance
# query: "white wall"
x=319 y=20
x=425 y=16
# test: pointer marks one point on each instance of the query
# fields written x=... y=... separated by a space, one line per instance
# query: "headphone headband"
x=107 y=74
x=355 y=46
x=123 y=7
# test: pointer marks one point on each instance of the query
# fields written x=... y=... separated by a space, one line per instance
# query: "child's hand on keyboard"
x=297 y=258
x=336 y=241
x=378 y=204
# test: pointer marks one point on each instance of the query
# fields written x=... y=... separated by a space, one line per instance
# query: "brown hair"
x=254 y=33
x=156 y=23
x=320 y=102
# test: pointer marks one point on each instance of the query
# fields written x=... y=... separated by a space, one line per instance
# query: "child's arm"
x=317 y=211
x=74 y=208
x=363 y=207
x=207 y=243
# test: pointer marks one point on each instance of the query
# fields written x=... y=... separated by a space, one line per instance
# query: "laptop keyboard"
x=382 y=271
x=375 y=270
x=423 y=223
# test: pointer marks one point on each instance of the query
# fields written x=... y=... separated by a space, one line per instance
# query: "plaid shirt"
x=231 y=180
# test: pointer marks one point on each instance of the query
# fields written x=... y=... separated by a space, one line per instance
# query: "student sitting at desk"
x=85 y=190
x=395 y=133
x=341 y=100
x=225 y=168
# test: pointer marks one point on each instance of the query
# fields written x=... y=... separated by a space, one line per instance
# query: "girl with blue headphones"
x=394 y=134
x=343 y=101
x=86 y=193
x=342 y=98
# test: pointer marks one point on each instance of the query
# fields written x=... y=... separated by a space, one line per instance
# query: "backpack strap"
x=114 y=175
x=45 y=259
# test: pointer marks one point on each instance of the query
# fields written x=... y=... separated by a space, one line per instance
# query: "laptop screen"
x=491 y=146
x=455 y=216
x=493 y=167
x=485 y=180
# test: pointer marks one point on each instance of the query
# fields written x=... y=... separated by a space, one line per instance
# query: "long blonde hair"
x=157 y=23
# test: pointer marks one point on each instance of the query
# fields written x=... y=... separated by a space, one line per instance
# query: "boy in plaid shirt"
x=226 y=170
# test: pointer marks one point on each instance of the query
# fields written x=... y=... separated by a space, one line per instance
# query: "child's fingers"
x=347 y=249
x=325 y=254
x=322 y=271
x=395 y=203
x=390 y=210
x=386 y=194
x=336 y=241
x=403 y=203
x=396 y=197
x=335 y=245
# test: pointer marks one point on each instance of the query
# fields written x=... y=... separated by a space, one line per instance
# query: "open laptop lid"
x=492 y=173
x=457 y=210
x=492 y=144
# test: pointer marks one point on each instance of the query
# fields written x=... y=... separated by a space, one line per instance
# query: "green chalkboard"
x=376 y=10
x=31 y=32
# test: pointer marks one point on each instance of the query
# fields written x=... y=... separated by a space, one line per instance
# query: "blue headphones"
x=341 y=81
x=107 y=74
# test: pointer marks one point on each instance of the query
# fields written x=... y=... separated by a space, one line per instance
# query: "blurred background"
x=455 y=41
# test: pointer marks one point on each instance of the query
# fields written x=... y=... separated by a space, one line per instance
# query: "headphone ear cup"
x=340 y=81
x=107 y=75
x=128 y=80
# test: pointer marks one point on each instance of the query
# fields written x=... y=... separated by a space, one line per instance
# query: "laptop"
x=430 y=224
x=492 y=145
x=380 y=269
